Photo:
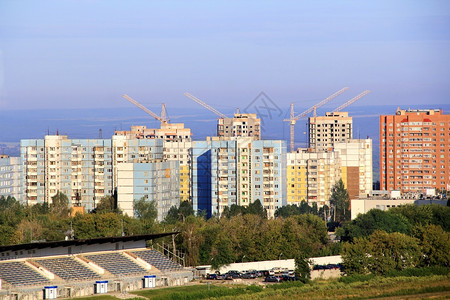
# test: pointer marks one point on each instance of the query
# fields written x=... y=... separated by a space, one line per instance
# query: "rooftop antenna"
x=100 y=133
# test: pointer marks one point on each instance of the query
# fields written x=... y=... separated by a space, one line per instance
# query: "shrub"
x=356 y=278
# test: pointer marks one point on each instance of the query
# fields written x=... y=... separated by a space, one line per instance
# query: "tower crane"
x=210 y=108
x=351 y=101
x=163 y=118
x=293 y=119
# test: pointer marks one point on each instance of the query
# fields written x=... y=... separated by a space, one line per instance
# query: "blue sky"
x=86 y=54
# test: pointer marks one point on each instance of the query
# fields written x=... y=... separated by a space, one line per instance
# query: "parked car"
x=249 y=275
x=211 y=276
x=286 y=277
x=220 y=277
x=332 y=266
x=272 y=279
x=232 y=275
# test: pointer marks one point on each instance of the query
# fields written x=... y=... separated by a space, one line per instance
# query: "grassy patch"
x=94 y=297
x=196 y=292
x=362 y=287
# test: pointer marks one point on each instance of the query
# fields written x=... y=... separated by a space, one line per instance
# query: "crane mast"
x=164 y=113
x=351 y=101
x=210 y=108
x=162 y=119
x=292 y=120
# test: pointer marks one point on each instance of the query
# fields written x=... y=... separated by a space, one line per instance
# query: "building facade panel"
x=153 y=181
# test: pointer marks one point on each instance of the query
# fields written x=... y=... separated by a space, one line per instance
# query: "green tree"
x=107 y=224
x=107 y=204
x=236 y=210
x=340 y=201
x=179 y=214
x=375 y=219
x=392 y=251
x=435 y=244
x=191 y=238
x=11 y=211
x=355 y=256
x=7 y=235
x=287 y=211
x=381 y=253
x=303 y=268
x=210 y=233
x=222 y=252
x=84 y=226
x=424 y=214
x=172 y=215
x=28 y=231
x=60 y=205
x=293 y=210
x=145 y=210
x=185 y=210
x=256 y=208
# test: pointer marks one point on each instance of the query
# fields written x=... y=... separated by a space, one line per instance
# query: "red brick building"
x=415 y=150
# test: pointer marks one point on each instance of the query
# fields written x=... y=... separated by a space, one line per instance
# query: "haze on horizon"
x=86 y=54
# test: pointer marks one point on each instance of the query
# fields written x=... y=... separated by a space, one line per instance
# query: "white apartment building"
x=241 y=125
x=157 y=180
x=11 y=177
x=326 y=131
x=177 y=142
x=81 y=169
x=356 y=166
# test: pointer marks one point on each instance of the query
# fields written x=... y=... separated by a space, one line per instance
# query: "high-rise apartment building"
x=131 y=150
x=326 y=131
x=415 y=150
x=82 y=169
x=241 y=125
x=11 y=177
x=268 y=169
x=238 y=171
x=311 y=176
x=152 y=181
x=355 y=158
x=213 y=175
x=177 y=142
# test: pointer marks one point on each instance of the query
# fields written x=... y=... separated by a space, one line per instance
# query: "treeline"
x=52 y=222
x=409 y=236
x=376 y=242
x=241 y=234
